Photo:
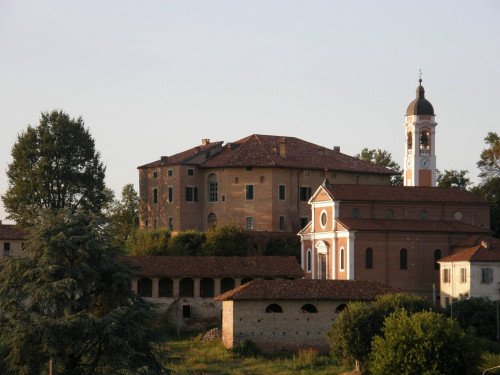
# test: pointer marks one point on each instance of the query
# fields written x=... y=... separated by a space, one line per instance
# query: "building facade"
x=473 y=269
x=183 y=287
x=12 y=240
x=261 y=182
x=289 y=314
x=391 y=234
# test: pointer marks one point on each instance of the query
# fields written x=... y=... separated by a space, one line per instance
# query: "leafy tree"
x=54 y=165
x=423 y=343
x=384 y=159
x=70 y=301
x=489 y=163
x=351 y=334
x=226 y=240
x=283 y=247
x=477 y=313
x=148 y=242
x=125 y=215
x=189 y=242
x=453 y=178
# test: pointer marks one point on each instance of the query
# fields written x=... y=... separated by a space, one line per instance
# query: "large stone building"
x=183 y=287
x=289 y=314
x=261 y=182
x=472 y=270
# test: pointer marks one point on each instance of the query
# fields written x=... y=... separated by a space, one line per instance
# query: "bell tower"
x=420 y=150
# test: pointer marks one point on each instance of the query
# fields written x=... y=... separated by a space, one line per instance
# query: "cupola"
x=420 y=106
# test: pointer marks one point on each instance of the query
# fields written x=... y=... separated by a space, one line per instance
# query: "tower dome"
x=420 y=106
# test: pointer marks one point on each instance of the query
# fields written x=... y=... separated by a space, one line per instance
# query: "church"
x=393 y=234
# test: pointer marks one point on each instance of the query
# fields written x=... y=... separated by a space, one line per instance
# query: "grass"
x=187 y=355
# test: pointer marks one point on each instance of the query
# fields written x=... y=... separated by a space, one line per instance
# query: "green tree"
x=384 y=159
x=477 y=313
x=70 y=301
x=125 y=215
x=189 y=242
x=489 y=162
x=424 y=343
x=148 y=242
x=453 y=178
x=54 y=165
x=351 y=334
x=283 y=247
x=226 y=240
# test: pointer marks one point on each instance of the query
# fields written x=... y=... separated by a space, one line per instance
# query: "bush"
x=423 y=343
x=227 y=240
x=189 y=242
x=284 y=247
x=148 y=242
x=246 y=349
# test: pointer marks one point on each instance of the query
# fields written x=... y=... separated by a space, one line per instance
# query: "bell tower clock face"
x=409 y=163
x=425 y=163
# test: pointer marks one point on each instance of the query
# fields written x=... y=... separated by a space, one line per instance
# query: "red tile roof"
x=401 y=194
x=257 y=151
x=409 y=225
x=477 y=253
x=306 y=289
x=11 y=232
x=182 y=157
x=213 y=266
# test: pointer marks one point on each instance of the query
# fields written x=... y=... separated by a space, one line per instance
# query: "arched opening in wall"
x=212 y=220
x=308 y=308
x=212 y=188
x=369 y=258
x=308 y=260
x=322 y=250
x=403 y=259
x=226 y=284
x=340 y=308
x=186 y=287
x=437 y=256
x=246 y=280
x=274 y=308
x=165 y=287
x=206 y=287
x=145 y=287
x=424 y=143
x=409 y=140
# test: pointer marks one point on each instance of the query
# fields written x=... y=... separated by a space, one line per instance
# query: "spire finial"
x=420 y=79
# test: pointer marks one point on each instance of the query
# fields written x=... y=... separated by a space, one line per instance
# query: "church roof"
x=409 y=225
x=404 y=194
x=307 y=289
x=420 y=106
x=214 y=266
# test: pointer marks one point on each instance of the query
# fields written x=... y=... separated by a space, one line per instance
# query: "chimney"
x=336 y=149
x=485 y=244
x=205 y=141
x=197 y=149
x=229 y=146
x=283 y=148
x=321 y=151
x=275 y=150
x=164 y=159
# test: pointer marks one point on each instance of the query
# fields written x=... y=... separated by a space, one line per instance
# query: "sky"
x=153 y=78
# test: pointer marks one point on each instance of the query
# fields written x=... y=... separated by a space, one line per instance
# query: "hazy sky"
x=153 y=78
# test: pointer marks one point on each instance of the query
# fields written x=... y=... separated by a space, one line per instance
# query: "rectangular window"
x=305 y=193
x=306 y=173
x=190 y=172
x=486 y=275
x=303 y=221
x=155 y=223
x=463 y=275
x=249 y=169
x=223 y=197
x=281 y=192
x=249 y=222
x=446 y=275
x=155 y=195
x=236 y=180
x=146 y=223
x=191 y=194
x=6 y=249
x=170 y=172
x=249 y=192
x=155 y=174
x=171 y=223
x=262 y=179
x=186 y=311
x=282 y=223
x=170 y=194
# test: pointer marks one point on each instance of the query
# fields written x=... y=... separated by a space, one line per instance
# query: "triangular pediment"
x=321 y=195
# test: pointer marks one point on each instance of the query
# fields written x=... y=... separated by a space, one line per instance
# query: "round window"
x=458 y=215
x=324 y=219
